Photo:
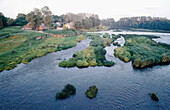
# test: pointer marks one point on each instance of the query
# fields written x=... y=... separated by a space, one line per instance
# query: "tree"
x=78 y=25
x=3 y=21
x=66 y=19
x=35 y=18
x=95 y=21
x=87 y=23
x=11 y=22
x=47 y=16
x=21 y=20
x=1 y=24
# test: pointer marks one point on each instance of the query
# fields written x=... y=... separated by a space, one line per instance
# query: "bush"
x=69 y=63
x=66 y=92
x=106 y=35
x=82 y=64
x=108 y=63
x=91 y=92
x=92 y=62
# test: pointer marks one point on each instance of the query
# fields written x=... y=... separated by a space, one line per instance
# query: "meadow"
x=10 y=30
x=23 y=47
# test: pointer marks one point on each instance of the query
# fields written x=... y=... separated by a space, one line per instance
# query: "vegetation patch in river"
x=143 y=51
x=154 y=96
x=91 y=92
x=66 y=92
x=94 y=55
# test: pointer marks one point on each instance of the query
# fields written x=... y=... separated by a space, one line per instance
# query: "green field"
x=23 y=47
x=6 y=31
x=62 y=32
x=143 y=51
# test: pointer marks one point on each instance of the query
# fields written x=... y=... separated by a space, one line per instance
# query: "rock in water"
x=154 y=97
x=66 y=92
x=91 y=92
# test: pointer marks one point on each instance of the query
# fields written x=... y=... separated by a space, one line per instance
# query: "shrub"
x=108 y=63
x=69 y=63
x=66 y=92
x=82 y=64
x=91 y=92
x=92 y=62
x=106 y=35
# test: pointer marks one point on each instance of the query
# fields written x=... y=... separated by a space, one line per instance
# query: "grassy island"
x=94 y=55
x=91 y=92
x=143 y=51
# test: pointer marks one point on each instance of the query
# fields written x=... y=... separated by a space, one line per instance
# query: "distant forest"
x=155 y=23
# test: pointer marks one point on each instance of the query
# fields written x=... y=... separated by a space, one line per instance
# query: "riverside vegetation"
x=143 y=51
x=23 y=47
x=94 y=55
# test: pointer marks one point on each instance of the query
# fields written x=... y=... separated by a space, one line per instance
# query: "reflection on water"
x=34 y=85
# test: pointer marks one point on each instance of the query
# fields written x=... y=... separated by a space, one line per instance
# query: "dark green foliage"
x=116 y=44
x=66 y=92
x=106 y=35
x=91 y=92
x=154 y=96
x=21 y=20
x=70 y=63
x=3 y=21
x=108 y=63
x=143 y=22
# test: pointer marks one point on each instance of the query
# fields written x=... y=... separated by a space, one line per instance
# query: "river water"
x=33 y=86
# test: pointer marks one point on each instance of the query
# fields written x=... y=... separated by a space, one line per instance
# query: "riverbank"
x=148 y=30
x=102 y=28
x=23 y=47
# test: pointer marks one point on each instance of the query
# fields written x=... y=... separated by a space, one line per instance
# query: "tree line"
x=155 y=23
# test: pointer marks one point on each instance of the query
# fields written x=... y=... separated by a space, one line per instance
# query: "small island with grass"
x=143 y=51
x=94 y=55
x=91 y=92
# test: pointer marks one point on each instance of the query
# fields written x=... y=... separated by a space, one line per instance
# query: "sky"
x=104 y=8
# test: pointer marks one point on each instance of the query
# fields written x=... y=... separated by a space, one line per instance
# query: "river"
x=34 y=85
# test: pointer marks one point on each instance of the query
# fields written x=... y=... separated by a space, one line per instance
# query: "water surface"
x=34 y=85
